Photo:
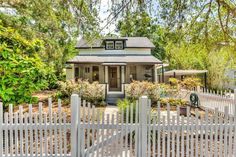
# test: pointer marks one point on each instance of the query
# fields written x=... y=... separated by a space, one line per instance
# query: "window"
x=76 y=72
x=95 y=73
x=87 y=70
x=133 y=75
x=110 y=45
x=118 y=45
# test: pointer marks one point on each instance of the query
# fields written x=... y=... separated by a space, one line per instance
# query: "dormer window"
x=110 y=45
x=118 y=45
x=114 y=45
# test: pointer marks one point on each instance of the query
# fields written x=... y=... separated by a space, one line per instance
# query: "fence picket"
x=60 y=126
x=6 y=115
x=65 y=137
x=178 y=132
x=11 y=130
x=182 y=137
x=225 y=121
x=168 y=129
x=26 y=134
x=126 y=131
x=187 y=132
x=136 y=128
x=158 y=129
x=15 y=145
x=93 y=128
x=36 y=133
x=131 y=131
x=173 y=137
x=40 y=129
x=154 y=137
x=45 y=135
x=216 y=133
x=21 y=130
x=1 y=129
x=50 y=123
x=103 y=133
x=55 y=135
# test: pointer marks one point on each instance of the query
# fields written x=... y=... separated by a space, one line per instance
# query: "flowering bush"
x=92 y=92
x=153 y=90
x=190 y=82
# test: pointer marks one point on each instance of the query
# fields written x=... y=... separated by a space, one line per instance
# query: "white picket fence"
x=34 y=134
x=139 y=131
x=211 y=100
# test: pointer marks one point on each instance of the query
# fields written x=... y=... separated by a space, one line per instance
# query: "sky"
x=103 y=14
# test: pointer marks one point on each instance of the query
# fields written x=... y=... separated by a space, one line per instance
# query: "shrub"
x=138 y=88
x=154 y=91
x=190 y=82
x=123 y=105
x=92 y=92
x=173 y=102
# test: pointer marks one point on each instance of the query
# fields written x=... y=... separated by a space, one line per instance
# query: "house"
x=114 y=62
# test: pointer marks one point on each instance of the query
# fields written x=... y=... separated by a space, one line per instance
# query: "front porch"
x=114 y=76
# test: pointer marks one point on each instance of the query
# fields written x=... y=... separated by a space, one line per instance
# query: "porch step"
x=113 y=98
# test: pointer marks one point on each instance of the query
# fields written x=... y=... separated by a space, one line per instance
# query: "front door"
x=113 y=77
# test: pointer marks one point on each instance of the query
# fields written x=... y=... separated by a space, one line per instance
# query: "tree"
x=57 y=23
x=22 y=71
x=133 y=24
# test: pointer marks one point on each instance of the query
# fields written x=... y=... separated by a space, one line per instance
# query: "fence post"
x=143 y=105
x=74 y=124
x=1 y=128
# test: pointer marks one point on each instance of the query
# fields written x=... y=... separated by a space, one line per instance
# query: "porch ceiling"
x=116 y=59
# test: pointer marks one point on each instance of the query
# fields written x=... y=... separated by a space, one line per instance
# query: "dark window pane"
x=95 y=73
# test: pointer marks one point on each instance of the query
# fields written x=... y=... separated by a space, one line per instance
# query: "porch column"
x=122 y=74
x=155 y=73
x=106 y=74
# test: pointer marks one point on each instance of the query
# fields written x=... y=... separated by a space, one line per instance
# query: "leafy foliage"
x=92 y=92
x=22 y=71
x=57 y=23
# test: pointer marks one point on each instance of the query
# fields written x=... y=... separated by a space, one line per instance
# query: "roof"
x=115 y=59
x=131 y=42
x=184 y=72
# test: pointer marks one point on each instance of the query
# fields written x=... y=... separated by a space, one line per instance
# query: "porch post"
x=122 y=74
x=106 y=74
x=155 y=73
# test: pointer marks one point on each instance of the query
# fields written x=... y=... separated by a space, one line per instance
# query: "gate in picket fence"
x=142 y=130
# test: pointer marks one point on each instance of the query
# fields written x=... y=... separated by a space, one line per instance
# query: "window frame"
x=109 y=42
x=120 y=42
x=87 y=70
x=114 y=44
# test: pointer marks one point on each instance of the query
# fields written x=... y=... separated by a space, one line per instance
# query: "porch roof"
x=184 y=72
x=115 y=59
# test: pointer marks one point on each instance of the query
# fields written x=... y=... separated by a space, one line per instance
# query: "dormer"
x=115 y=44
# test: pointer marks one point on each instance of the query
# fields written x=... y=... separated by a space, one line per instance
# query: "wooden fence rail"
x=137 y=131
